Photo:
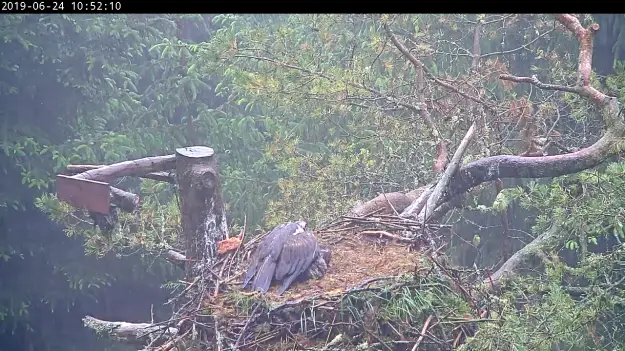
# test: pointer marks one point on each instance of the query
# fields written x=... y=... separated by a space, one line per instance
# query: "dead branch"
x=126 y=201
x=435 y=199
x=441 y=157
x=378 y=221
x=386 y=203
x=476 y=46
x=418 y=208
x=384 y=234
x=135 y=333
x=424 y=330
x=176 y=257
x=133 y=168
x=168 y=177
x=417 y=205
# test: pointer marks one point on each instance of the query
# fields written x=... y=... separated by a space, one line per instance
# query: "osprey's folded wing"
x=297 y=255
x=265 y=275
x=264 y=261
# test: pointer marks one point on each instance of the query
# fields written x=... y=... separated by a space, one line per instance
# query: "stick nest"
x=378 y=288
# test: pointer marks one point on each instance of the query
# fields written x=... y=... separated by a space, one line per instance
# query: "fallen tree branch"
x=384 y=234
x=424 y=330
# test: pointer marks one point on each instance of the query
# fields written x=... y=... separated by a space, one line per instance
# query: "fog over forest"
x=312 y=182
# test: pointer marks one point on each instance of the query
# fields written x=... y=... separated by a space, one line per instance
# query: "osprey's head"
x=300 y=227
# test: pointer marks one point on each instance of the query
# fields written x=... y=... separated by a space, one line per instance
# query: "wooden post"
x=202 y=210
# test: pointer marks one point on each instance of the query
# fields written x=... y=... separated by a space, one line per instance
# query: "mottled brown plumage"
x=289 y=252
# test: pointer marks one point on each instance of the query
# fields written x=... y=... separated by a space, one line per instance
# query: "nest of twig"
x=380 y=290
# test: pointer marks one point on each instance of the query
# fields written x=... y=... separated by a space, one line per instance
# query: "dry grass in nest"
x=356 y=258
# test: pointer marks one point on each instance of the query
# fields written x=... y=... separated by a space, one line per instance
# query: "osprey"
x=287 y=253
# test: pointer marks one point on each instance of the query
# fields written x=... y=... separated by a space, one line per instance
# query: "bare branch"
x=524 y=46
x=134 y=168
x=534 y=81
x=435 y=199
x=585 y=38
x=135 y=333
x=417 y=205
x=176 y=258
x=418 y=64
x=126 y=201
x=505 y=166
x=386 y=203
x=168 y=177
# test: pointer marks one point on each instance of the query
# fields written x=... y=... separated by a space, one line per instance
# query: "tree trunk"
x=202 y=210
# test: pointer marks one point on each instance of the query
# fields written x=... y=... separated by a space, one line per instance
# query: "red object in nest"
x=229 y=245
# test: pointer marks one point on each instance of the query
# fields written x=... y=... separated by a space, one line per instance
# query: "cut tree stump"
x=202 y=211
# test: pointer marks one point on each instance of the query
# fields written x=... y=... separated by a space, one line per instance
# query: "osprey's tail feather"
x=251 y=271
x=264 y=275
x=248 y=276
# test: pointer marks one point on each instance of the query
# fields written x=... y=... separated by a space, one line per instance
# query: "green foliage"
x=616 y=83
x=309 y=114
x=553 y=319
x=572 y=303
x=587 y=204
x=337 y=101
